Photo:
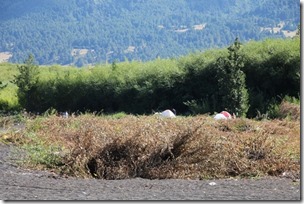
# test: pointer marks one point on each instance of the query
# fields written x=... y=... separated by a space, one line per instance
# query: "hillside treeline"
x=81 y=32
x=188 y=84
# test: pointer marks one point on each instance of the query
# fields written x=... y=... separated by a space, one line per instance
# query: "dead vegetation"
x=159 y=148
x=289 y=110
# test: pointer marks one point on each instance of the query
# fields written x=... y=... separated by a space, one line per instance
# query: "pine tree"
x=232 y=92
x=26 y=81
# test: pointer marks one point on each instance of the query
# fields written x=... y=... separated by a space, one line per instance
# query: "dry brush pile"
x=195 y=147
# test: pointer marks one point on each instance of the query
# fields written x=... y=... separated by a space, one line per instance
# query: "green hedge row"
x=188 y=84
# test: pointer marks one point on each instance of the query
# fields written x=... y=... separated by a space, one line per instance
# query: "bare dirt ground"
x=23 y=184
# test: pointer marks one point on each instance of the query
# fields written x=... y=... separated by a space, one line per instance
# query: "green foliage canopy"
x=267 y=70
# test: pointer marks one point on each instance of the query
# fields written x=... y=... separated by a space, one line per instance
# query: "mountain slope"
x=96 y=31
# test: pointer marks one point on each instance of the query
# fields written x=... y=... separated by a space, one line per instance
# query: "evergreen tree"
x=232 y=92
x=26 y=81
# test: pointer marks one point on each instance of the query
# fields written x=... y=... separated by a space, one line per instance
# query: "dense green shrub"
x=189 y=84
x=272 y=69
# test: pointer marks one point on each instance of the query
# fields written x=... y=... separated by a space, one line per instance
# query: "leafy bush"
x=187 y=84
x=272 y=69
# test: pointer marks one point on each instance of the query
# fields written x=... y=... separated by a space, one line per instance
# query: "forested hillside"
x=83 y=32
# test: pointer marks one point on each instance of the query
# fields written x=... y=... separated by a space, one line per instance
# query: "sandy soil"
x=23 y=184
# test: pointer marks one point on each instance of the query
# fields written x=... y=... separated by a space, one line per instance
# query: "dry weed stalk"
x=289 y=110
x=185 y=147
